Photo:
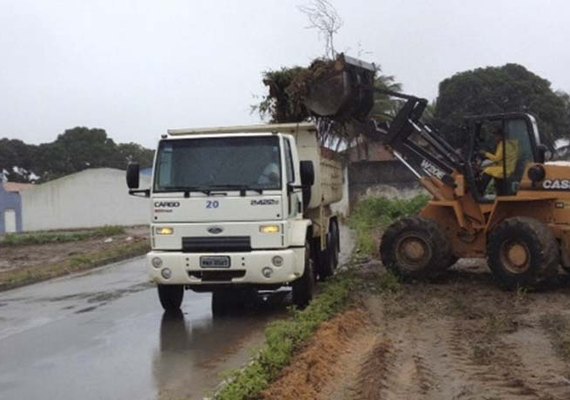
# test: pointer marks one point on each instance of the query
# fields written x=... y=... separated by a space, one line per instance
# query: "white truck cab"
x=239 y=209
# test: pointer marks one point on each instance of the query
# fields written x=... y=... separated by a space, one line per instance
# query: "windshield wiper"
x=187 y=189
x=241 y=188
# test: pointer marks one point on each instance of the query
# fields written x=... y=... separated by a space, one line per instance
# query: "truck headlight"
x=156 y=262
x=269 y=229
x=165 y=230
x=277 y=261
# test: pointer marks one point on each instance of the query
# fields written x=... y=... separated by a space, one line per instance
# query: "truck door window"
x=289 y=170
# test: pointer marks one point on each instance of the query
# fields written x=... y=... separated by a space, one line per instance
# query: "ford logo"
x=214 y=230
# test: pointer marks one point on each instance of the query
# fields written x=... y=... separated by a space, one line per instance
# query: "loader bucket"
x=344 y=92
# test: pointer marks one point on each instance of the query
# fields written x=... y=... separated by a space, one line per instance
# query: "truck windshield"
x=218 y=163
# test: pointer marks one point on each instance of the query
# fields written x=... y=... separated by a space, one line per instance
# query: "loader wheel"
x=304 y=287
x=522 y=252
x=415 y=248
x=170 y=296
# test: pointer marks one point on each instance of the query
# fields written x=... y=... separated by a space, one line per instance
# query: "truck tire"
x=335 y=241
x=522 y=252
x=415 y=248
x=232 y=300
x=326 y=265
x=170 y=296
x=304 y=287
x=221 y=302
x=328 y=259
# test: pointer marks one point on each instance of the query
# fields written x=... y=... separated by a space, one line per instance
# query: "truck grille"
x=217 y=276
x=216 y=244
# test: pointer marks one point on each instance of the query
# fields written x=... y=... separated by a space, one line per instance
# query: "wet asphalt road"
x=103 y=335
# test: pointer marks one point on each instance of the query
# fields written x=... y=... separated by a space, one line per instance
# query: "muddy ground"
x=31 y=263
x=459 y=338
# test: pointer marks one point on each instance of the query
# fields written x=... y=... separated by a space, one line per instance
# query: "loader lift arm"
x=422 y=149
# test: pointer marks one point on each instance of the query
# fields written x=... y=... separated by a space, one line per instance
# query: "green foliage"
x=74 y=150
x=278 y=105
x=385 y=107
x=496 y=90
x=286 y=336
x=23 y=239
x=374 y=214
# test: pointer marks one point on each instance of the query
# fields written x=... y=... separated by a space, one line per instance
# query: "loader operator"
x=503 y=162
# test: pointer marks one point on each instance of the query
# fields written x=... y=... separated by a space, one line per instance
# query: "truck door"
x=293 y=196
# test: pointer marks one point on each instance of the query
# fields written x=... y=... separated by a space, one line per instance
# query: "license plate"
x=215 y=262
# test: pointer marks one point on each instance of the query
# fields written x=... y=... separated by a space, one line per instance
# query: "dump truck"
x=520 y=223
x=241 y=210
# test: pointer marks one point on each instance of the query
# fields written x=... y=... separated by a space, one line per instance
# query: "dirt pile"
x=317 y=364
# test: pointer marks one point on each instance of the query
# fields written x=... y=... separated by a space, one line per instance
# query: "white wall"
x=91 y=198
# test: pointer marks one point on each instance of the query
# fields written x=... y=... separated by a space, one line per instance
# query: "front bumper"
x=245 y=268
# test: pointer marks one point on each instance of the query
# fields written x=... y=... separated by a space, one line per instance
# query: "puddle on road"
x=194 y=352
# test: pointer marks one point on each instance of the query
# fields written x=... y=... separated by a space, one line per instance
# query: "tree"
x=508 y=88
x=324 y=18
x=73 y=151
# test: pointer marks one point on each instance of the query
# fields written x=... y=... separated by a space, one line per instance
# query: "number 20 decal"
x=212 y=203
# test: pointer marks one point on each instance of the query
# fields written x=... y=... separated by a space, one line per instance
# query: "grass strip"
x=284 y=337
x=34 y=238
x=25 y=276
x=373 y=215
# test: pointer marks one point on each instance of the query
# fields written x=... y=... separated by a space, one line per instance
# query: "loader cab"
x=511 y=142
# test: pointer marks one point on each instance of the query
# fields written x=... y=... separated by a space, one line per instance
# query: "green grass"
x=373 y=215
x=34 y=238
x=284 y=337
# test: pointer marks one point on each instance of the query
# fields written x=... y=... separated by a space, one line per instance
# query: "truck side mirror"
x=307 y=173
x=133 y=175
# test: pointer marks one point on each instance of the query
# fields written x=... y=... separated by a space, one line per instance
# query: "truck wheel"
x=221 y=302
x=415 y=248
x=335 y=241
x=522 y=252
x=228 y=301
x=304 y=287
x=170 y=296
x=326 y=259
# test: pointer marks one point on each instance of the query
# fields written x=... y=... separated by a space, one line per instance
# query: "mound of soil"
x=316 y=365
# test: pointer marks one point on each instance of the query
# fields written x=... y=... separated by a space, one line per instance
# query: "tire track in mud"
x=492 y=367
x=465 y=355
x=461 y=340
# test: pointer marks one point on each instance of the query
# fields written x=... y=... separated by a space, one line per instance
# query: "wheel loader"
x=520 y=222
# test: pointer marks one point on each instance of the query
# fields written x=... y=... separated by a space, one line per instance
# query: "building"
x=87 y=199
x=11 y=206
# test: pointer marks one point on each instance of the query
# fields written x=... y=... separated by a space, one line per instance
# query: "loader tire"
x=415 y=248
x=522 y=252
x=304 y=287
x=170 y=297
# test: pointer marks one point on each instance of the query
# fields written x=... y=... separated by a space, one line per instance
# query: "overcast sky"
x=138 y=67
